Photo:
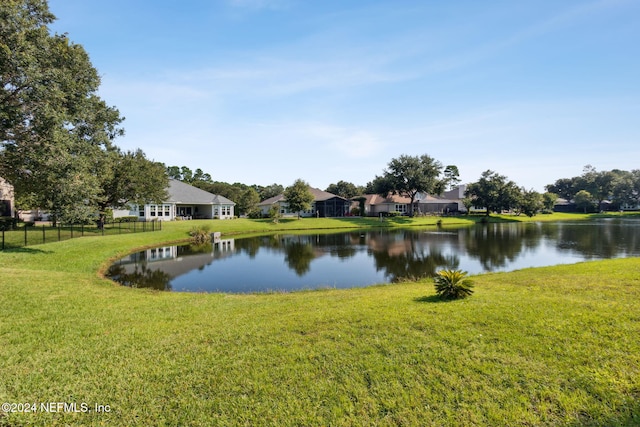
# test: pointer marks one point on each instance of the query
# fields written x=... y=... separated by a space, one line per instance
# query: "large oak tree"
x=409 y=175
x=494 y=192
x=56 y=133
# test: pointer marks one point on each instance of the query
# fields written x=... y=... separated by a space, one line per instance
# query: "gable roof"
x=182 y=193
x=451 y=196
x=318 y=196
x=376 y=199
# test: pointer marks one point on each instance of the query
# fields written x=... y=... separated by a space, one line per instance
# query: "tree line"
x=408 y=176
x=590 y=190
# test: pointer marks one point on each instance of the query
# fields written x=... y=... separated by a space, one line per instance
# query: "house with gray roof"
x=184 y=202
x=324 y=205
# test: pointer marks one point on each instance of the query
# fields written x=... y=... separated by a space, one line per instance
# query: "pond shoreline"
x=294 y=259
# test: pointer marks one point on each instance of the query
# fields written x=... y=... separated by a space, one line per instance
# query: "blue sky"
x=268 y=91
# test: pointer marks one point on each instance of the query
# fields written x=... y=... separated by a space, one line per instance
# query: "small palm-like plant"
x=453 y=284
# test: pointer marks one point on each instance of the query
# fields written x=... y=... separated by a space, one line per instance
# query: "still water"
x=282 y=262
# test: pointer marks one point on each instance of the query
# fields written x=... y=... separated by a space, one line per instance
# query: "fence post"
x=81 y=230
x=44 y=236
x=58 y=232
x=3 y=238
x=72 y=230
x=25 y=233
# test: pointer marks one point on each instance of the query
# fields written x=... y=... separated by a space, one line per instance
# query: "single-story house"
x=6 y=198
x=375 y=204
x=324 y=205
x=449 y=202
x=184 y=202
x=564 y=205
x=630 y=207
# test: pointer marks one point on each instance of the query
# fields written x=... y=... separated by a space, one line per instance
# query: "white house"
x=184 y=202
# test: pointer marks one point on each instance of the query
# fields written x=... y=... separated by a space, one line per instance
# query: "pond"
x=287 y=262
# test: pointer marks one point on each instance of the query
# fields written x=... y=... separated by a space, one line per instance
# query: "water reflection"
x=409 y=255
x=155 y=268
x=290 y=262
x=497 y=245
x=141 y=277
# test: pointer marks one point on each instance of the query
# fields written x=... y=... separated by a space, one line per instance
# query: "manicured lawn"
x=548 y=346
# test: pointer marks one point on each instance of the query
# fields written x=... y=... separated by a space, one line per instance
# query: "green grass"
x=548 y=346
x=39 y=234
x=35 y=235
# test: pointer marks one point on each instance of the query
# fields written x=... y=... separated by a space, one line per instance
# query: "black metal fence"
x=27 y=235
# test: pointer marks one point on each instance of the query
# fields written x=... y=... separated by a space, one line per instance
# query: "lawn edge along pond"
x=545 y=346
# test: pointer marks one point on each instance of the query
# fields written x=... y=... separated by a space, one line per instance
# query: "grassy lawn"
x=547 y=346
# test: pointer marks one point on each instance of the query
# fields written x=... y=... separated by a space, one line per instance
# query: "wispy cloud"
x=260 y=4
x=306 y=65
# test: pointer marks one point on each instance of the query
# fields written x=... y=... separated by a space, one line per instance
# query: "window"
x=152 y=210
x=167 y=210
x=401 y=208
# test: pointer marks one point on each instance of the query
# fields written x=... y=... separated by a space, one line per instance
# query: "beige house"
x=449 y=202
x=375 y=204
x=7 y=200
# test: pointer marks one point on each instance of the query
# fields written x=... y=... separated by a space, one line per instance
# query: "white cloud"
x=260 y=4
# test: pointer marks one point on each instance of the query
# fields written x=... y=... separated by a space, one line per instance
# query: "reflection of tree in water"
x=601 y=240
x=338 y=245
x=298 y=255
x=407 y=258
x=300 y=250
x=495 y=244
x=413 y=266
x=142 y=277
x=194 y=249
x=252 y=245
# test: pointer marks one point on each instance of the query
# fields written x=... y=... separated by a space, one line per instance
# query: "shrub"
x=254 y=214
x=200 y=235
x=274 y=213
x=453 y=284
x=8 y=223
x=130 y=218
